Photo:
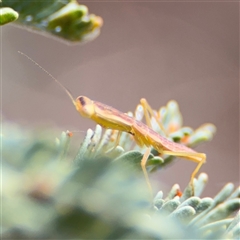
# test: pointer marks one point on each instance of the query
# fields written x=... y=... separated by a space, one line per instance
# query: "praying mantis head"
x=84 y=106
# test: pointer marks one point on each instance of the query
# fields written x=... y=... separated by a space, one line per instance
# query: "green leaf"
x=7 y=15
x=65 y=19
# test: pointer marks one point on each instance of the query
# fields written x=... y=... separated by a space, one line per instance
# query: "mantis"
x=143 y=134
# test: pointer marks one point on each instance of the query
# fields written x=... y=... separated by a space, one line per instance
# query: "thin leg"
x=117 y=139
x=197 y=170
x=200 y=158
x=148 y=110
x=116 y=142
x=143 y=165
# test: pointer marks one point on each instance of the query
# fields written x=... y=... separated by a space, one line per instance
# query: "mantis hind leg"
x=199 y=158
x=148 y=111
x=141 y=141
x=143 y=165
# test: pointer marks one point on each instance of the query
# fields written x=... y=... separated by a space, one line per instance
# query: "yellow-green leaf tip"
x=7 y=15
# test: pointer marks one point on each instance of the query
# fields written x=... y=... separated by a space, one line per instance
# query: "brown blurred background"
x=161 y=51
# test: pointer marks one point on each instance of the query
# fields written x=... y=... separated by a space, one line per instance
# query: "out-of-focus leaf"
x=47 y=195
x=64 y=19
x=7 y=15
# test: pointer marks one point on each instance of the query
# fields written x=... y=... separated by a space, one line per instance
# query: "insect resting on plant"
x=143 y=134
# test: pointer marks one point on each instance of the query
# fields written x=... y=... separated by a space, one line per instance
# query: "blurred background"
x=186 y=51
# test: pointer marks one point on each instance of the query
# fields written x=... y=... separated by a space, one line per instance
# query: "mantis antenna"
x=51 y=76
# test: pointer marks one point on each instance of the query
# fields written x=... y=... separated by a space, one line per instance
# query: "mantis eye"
x=85 y=106
x=81 y=99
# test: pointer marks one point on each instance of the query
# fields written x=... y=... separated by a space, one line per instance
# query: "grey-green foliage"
x=65 y=19
x=47 y=195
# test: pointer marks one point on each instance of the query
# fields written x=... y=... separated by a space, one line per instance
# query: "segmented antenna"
x=50 y=75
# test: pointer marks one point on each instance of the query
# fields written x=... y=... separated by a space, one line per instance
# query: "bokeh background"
x=187 y=51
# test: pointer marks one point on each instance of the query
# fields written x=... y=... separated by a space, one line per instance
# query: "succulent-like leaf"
x=64 y=19
x=99 y=193
x=7 y=15
x=46 y=195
